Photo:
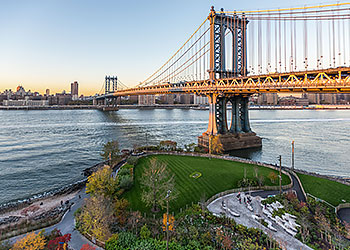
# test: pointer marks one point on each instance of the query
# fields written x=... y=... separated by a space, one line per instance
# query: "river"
x=48 y=149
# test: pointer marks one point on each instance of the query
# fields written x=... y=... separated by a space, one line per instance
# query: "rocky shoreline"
x=19 y=204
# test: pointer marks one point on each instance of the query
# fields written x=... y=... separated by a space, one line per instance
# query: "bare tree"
x=156 y=181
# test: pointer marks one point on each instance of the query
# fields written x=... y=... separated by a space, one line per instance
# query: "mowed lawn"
x=217 y=176
x=330 y=191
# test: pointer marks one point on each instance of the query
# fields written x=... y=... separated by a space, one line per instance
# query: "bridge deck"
x=334 y=80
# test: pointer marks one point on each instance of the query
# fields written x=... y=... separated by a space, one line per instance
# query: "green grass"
x=217 y=176
x=330 y=191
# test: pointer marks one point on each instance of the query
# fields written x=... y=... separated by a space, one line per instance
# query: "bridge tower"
x=239 y=135
x=110 y=80
x=110 y=87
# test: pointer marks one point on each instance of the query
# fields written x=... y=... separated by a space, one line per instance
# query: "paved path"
x=245 y=218
x=344 y=214
x=67 y=225
x=296 y=187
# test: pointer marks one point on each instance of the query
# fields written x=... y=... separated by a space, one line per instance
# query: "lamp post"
x=167 y=219
x=280 y=159
x=292 y=155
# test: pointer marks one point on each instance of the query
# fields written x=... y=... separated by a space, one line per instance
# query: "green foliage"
x=245 y=182
x=124 y=171
x=110 y=152
x=156 y=181
x=279 y=212
x=263 y=222
x=273 y=199
x=132 y=160
x=167 y=145
x=145 y=233
x=126 y=182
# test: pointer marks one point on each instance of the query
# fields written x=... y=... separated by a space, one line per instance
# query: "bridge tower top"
x=219 y=25
x=111 y=80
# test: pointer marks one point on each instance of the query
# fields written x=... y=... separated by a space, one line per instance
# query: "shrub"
x=112 y=242
x=126 y=182
x=247 y=183
x=132 y=160
x=145 y=233
x=278 y=212
x=123 y=172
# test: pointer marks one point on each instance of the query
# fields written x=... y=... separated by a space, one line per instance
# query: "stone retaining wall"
x=341 y=206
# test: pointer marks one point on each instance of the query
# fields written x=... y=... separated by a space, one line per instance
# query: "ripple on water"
x=42 y=150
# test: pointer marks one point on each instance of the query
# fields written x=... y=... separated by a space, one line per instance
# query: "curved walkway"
x=296 y=187
x=66 y=225
x=286 y=240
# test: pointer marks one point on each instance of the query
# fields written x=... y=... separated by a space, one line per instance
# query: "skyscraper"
x=74 y=90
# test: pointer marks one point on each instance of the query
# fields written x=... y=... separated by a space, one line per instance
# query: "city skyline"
x=48 y=45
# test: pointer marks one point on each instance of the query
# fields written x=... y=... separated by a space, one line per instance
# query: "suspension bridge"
x=234 y=54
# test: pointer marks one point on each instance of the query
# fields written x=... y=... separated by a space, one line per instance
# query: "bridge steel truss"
x=236 y=86
x=335 y=80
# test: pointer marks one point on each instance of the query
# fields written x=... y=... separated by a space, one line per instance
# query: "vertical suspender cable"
x=276 y=63
x=268 y=44
x=344 y=45
x=291 y=43
x=321 y=50
x=305 y=43
x=280 y=39
x=339 y=35
x=333 y=31
x=259 y=45
x=285 y=44
x=330 y=43
x=317 y=42
x=295 y=45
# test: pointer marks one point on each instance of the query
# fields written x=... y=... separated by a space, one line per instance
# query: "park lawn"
x=217 y=175
x=330 y=191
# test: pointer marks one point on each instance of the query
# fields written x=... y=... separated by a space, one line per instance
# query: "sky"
x=47 y=44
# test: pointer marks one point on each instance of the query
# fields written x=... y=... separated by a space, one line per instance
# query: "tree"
x=120 y=208
x=273 y=176
x=145 y=233
x=168 y=145
x=215 y=145
x=57 y=242
x=110 y=152
x=132 y=160
x=95 y=217
x=190 y=147
x=87 y=247
x=156 y=181
x=31 y=241
x=102 y=182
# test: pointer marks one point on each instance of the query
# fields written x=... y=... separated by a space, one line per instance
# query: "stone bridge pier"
x=236 y=136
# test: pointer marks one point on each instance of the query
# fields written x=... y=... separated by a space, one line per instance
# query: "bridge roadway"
x=334 y=80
